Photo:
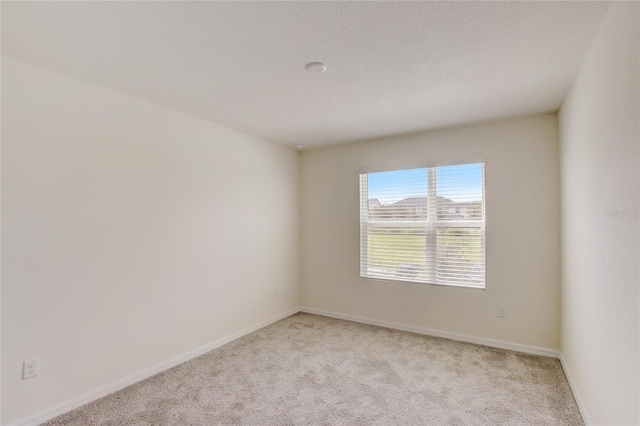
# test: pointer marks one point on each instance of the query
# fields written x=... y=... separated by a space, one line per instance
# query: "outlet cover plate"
x=30 y=368
x=502 y=312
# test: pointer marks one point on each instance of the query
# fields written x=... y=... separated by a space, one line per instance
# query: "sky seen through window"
x=460 y=183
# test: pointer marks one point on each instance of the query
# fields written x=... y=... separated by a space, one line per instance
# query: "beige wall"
x=522 y=251
x=130 y=234
x=599 y=156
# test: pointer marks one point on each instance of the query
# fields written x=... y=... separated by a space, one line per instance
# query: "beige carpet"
x=313 y=370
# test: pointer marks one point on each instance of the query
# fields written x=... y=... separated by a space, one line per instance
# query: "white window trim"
x=431 y=224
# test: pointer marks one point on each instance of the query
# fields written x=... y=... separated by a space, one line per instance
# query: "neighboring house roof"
x=421 y=201
x=412 y=202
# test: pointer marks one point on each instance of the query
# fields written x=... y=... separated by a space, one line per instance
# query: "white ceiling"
x=393 y=67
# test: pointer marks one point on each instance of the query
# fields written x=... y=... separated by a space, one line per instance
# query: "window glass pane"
x=459 y=192
x=397 y=252
x=400 y=194
x=460 y=255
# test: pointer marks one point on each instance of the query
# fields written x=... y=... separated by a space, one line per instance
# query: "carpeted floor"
x=313 y=370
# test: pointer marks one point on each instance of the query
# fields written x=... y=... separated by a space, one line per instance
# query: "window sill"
x=470 y=286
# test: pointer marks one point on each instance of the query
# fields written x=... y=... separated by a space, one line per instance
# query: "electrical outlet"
x=502 y=312
x=30 y=368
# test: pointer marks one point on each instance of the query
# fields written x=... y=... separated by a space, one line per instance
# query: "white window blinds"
x=424 y=225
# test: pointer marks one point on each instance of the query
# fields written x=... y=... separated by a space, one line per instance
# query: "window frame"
x=431 y=226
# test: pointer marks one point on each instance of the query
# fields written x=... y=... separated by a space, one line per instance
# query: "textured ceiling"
x=393 y=67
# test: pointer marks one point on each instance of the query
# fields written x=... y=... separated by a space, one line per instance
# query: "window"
x=424 y=225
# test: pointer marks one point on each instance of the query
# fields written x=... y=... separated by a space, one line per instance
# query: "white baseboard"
x=517 y=347
x=72 y=404
x=574 y=390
